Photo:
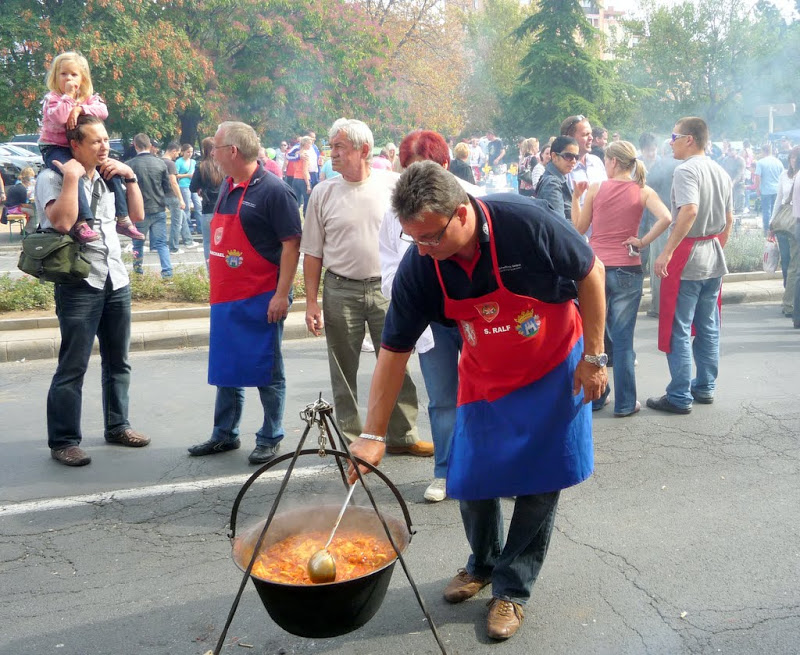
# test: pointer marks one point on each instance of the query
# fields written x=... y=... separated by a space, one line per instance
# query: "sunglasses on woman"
x=569 y=156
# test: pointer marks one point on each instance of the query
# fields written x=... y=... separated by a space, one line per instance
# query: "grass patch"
x=24 y=293
x=744 y=252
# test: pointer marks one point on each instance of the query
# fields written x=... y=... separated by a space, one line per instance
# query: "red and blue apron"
x=670 y=288
x=519 y=429
x=241 y=347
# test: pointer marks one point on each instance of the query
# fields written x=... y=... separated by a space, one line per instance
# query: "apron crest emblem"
x=469 y=333
x=488 y=311
x=528 y=323
x=234 y=258
x=217 y=236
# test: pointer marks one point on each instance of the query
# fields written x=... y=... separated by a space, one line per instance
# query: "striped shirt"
x=105 y=254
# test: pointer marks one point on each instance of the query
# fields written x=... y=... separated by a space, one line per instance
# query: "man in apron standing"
x=255 y=247
x=506 y=271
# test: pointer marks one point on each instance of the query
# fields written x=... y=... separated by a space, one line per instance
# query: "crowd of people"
x=511 y=300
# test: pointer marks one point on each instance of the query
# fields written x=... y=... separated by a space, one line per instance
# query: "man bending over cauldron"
x=507 y=271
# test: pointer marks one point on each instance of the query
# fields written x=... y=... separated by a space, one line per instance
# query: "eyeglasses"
x=569 y=156
x=429 y=243
x=675 y=137
x=575 y=119
x=225 y=145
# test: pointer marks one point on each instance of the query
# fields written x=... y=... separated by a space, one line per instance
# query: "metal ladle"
x=321 y=565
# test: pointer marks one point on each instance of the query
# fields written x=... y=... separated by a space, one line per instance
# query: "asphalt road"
x=685 y=540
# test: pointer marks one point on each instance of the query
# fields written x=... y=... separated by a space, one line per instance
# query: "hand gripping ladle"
x=321 y=565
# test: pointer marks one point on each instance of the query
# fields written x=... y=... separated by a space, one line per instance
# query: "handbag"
x=53 y=257
x=784 y=220
x=771 y=255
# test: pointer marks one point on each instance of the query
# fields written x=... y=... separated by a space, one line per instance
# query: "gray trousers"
x=348 y=306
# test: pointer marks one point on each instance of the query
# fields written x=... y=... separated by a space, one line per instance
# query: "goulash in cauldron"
x=355 y=553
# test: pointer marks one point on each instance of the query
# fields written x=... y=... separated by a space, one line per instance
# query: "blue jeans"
x=156 y=225
x=205 y=222
x=767 y=203
x=230 y=403
x=513 y=567
x=84 y=312
x=623 y=295
x=697 y=303
x=299 y=188
x=440 y=371
x=175 y=221
x=191 y=214
x=784 y=247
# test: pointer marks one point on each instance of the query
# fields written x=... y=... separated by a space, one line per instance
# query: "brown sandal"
x=128 y=437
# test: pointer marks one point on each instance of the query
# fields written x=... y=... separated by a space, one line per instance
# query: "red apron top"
x=671 y=286
x=509 y=340
x=236 y=269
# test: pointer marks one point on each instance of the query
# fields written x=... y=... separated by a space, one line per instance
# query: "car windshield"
x=16 y=151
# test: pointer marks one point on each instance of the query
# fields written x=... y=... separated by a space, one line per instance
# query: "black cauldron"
x=321 y=610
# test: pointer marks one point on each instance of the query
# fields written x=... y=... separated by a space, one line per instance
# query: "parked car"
x=30 y=146
x=9 y=171
x=21 y=157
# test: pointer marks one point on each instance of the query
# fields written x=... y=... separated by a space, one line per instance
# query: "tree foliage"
x=712 y=58
x=563 y=74
x=494 y=59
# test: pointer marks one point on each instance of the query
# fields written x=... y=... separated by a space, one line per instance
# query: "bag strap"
x=95 y=198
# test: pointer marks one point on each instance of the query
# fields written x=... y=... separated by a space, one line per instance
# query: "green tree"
x=712 y=58
x=563 y=74
x=144 y=68
x=495 y=56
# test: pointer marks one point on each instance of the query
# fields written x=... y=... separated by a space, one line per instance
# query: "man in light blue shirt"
x=768 y=171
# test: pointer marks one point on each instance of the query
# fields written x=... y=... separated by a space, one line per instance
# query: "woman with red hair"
x=439 y=346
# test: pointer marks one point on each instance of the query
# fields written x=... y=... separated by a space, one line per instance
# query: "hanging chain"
x=313 y=414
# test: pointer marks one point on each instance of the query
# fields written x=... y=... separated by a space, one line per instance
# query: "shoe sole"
x=398 y=450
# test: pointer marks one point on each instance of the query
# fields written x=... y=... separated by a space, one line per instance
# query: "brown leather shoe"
x=463 y=586
x=418 y=449
x=71 y=456
x=504 y=618
x=128 y=437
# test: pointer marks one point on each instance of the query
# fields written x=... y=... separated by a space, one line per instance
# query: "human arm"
x=306 y=173
x=2 y=190
x=592 y=306
x=111 y=167
x=63 y=211
x=391 y=250
x=279 y=305
x=582 y=216
x=663 y=219
x=683 y=223
x=384 y=390
x=312 y=272
x=176 y=190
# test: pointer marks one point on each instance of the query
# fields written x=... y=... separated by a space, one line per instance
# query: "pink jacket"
x=55 y=112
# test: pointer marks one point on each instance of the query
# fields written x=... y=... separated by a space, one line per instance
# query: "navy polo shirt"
x=269 y=213
x=539 y=255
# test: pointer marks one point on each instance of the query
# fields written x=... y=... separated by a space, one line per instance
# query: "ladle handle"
x=341 y=514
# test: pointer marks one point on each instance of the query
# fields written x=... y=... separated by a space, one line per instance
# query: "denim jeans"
x=348 y=306
x=767 y=203
x=230 y=403
x=623 y=295
x=84 y=312
x=440 y=371
x=156 y=225
x=796 y=304
x=175 y=221
x=697 y=303
x=513 y=567
x=191 y=214
x=205 y=223
x=299 y=188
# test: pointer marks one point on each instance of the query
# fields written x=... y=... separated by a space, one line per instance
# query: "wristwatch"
x=130 y=180
x=599 y=360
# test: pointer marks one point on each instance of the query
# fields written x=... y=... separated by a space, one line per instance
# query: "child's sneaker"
x=126 y=228
x=83 y=233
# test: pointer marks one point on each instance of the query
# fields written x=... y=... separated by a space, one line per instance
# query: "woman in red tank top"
x=613 y=209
